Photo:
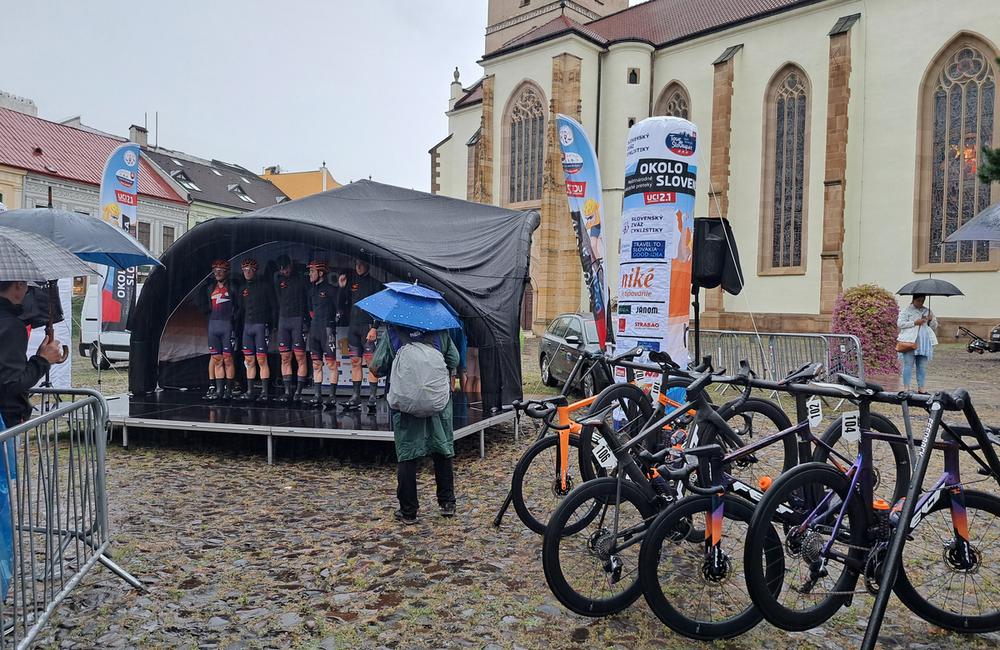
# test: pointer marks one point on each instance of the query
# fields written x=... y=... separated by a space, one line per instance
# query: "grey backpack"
x=419 y=384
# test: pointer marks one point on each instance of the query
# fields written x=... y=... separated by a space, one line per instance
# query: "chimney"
x=273 y=170
x=19 y=104
x=456 y=90
x=138 y=135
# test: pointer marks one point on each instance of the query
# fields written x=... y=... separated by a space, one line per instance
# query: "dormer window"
x=240 y=193
x=185 y=181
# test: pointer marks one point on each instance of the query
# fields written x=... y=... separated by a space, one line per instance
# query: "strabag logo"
x=682 y=143
x=572 y=162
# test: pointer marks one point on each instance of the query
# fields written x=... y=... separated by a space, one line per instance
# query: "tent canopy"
x=476 y=255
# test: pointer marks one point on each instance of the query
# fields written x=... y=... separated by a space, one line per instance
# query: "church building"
x=840 y=137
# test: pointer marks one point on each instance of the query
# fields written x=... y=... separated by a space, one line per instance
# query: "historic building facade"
x=840 y=137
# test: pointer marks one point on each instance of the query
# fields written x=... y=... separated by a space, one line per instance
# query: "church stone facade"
x=840 y=137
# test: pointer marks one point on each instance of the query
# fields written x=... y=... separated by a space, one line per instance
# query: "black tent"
x=476 y=255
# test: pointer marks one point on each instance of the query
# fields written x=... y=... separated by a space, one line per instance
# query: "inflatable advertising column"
x=654 y=285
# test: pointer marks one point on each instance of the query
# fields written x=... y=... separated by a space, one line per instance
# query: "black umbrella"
x=89 y=238
x=930 y=287
x=985 y=226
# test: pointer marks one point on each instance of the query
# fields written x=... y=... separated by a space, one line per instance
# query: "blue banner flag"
x=119 y=200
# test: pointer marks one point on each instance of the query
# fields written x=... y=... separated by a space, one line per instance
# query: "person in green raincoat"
x=418 y=437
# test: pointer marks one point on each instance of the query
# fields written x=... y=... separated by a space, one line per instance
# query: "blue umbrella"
x=89 y=238
x=413 y=290
x=415 y=312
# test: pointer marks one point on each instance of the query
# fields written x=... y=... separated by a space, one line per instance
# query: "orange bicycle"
x=550 y=468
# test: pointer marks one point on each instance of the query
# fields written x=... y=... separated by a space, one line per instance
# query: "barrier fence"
x=53 y=509
x=774 y=355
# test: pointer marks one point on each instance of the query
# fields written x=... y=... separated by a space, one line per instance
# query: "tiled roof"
x=216 y=180
x=473 y=96
x=558 y=25
x=660 y=22
x=52 y=149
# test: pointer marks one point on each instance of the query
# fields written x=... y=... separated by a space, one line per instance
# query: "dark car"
x=561 y=345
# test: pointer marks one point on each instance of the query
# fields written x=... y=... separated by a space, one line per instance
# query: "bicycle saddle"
x=662 y=358
x=627 y=355
x=804 y=374
x=859 y=384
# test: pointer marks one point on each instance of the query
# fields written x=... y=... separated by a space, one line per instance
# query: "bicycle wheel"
x=802 y=508
x=752 y=421
x=626 y=409
x=890 y=461
x=595 y=570
x=536 y=486
x=678 y=579
x=934 y=584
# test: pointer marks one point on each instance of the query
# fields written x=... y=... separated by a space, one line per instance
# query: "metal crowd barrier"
x=53 y=509
x=774 y=355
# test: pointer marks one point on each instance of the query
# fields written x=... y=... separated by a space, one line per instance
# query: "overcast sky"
x=361 y=85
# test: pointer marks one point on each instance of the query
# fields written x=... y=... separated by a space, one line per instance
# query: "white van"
x=114 y=344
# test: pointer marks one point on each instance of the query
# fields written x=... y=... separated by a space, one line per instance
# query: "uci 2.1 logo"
x=682 y=143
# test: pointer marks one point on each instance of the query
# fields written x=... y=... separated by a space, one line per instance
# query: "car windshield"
x=591 y=328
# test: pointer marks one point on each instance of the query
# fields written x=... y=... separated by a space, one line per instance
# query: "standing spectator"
x=290 y=289
x=257 y=309
x=361 y=335
x=418 y=437
x=17 y=372
x=916 y=330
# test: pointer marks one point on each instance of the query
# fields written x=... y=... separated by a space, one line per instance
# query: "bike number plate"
x=814 y=407
x=850 y=426
x=602 y=453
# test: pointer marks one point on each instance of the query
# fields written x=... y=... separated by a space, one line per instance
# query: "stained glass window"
x=785 y=205
x=961 y=115
x=674 y=101
x=527 y=142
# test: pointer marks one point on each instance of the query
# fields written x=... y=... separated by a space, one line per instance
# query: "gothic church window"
x=786 y=170
x=958 y=119
x=525 y=144
x=674 y=102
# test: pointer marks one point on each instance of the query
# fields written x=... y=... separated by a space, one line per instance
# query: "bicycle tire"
x=530 y=465
x=603 y=491
x=786 y=493
x=900 y=457
x=633 y=401
x=667 y=542
x=767 y=461
x=920 y=605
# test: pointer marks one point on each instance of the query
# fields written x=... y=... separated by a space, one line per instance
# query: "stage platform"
x=185 y=410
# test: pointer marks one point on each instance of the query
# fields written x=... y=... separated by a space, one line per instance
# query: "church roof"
x=658 y=22
x=472 y=96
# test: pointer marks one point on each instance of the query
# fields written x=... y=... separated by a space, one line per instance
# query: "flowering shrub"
x=869 y=312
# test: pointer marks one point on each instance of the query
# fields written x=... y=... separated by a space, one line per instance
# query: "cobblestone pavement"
x=305 y=553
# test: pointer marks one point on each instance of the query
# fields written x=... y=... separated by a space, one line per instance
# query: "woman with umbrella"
x=26 y=257
x=917 y=323
x=415 y=314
